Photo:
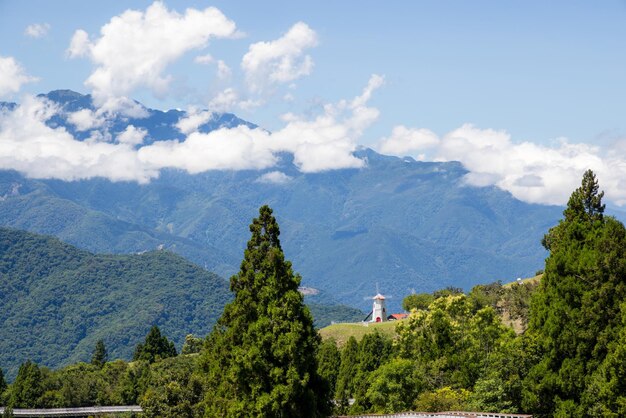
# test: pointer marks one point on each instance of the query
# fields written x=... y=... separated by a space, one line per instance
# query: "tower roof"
x=378 y=297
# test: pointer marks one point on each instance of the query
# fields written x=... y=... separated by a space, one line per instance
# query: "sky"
x=527 y=95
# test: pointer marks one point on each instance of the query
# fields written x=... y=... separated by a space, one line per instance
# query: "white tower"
x=379 y=312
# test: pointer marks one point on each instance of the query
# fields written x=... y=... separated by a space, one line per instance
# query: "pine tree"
x=100 y=355
x=576 y=313
x=263 y=361
x=155 y=347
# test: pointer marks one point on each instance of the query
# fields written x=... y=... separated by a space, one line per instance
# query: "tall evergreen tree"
x=155 y=347
x=100 y=355
x=576 y=314
x=264 y=359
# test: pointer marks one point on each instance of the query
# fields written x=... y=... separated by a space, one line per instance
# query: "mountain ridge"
x=404 y=224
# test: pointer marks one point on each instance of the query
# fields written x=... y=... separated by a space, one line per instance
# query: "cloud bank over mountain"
x=133 y=51
x=31 y=145
x=531 y=172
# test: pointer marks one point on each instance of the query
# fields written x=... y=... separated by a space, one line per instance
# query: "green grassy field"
x=527 y=280
x=342 y=332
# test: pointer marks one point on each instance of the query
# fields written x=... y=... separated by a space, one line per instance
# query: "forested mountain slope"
x=404 y=224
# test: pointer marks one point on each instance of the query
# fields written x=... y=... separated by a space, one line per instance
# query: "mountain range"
x=397 y=225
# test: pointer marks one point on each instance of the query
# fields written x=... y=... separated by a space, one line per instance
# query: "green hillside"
x=56 y=301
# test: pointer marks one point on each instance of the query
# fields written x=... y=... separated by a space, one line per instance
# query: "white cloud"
x=224 y=100
x=12 y=76
x=224 y=149
x=274 y=177
x=328 y=141
x=193 y=121
x=223 y=71
x=132 y=135
x=404 y=140
x=280 y=61
x=203 y=59
x=531 y=172
x=28 y=145
x=123 y=106
x=79 y=45
x=37 y=30
x=134 y=48
x=85 y=119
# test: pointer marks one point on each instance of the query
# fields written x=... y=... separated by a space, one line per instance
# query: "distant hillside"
x=56 y=301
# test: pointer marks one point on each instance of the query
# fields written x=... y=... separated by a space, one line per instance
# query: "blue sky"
x=538 y=73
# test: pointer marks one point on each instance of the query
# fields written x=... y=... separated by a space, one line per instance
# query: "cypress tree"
x=155 y=347
x=576 y=314
x=100 y=355
x=263 y=357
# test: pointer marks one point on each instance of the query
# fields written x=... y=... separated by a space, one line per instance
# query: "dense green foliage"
x=192 y=345
x=328 y=362
x=155 y=347
x=346 y=377
x=417 y=301
x=162 y=388
x=263 y=357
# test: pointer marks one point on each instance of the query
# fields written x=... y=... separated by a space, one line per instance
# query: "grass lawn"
x=342 y=332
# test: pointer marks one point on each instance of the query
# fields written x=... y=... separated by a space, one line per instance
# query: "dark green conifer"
x=100 y=355
x=576 y=314
x=263 y=361
x=155 y=347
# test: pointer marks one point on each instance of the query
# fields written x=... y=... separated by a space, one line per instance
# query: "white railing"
x=74 y=412
x=448 y=414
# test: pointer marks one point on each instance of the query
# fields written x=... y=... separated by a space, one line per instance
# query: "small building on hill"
x=396 y=316
x=379 y=310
